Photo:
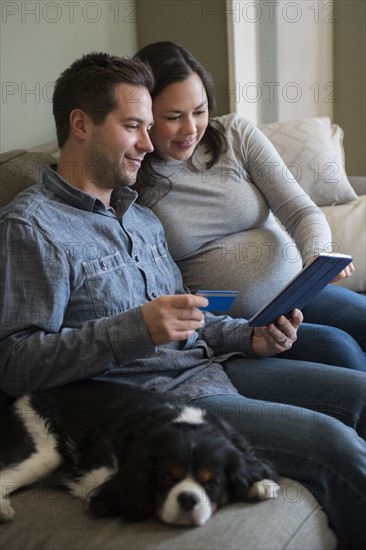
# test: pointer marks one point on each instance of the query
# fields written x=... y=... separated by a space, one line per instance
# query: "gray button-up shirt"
x=73 y=278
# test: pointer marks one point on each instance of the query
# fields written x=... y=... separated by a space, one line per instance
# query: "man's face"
x=116 y=147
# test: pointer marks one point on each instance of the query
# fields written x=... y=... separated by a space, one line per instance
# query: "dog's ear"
x=129 y=494
x=244 y=468
x=139 y=502
x=259 y=467
x=238 y=479
x=238 y=440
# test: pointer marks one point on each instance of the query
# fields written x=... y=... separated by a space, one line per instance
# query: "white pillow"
x=348 y=225
x=337 y=140
x=312 y=149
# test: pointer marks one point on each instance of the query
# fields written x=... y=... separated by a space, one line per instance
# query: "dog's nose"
x=187 y=500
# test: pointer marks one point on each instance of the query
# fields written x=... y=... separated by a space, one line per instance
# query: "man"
x=88 y=269
x=89 y=290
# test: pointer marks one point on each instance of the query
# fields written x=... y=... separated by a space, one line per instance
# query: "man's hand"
x=277 y=337
x=173 y=318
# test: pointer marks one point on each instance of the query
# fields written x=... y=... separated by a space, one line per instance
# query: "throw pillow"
x=348 y=225
x=312 y=150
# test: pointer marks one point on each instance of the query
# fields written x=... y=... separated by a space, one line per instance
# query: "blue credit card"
x=218 y=300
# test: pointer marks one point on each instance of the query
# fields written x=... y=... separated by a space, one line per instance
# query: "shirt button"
x=137 y=259
x=104 y=264
x=154 y=295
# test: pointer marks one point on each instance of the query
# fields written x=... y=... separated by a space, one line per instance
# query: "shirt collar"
x=122 y=197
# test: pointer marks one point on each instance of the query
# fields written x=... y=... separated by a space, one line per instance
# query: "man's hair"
x=90 y=84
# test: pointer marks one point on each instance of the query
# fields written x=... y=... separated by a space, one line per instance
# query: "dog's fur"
x=129 y=452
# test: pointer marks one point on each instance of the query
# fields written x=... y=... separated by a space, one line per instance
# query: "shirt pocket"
x=162 y=262
x=109 y=283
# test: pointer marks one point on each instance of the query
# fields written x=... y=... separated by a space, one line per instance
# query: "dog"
x=129 y=452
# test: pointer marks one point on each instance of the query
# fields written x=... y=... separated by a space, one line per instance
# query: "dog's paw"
x=265 y=489
x=7 y=513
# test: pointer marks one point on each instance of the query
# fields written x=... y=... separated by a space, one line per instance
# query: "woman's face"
x=180 y=119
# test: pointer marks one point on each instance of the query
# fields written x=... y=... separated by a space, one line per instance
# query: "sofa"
x=51 y=519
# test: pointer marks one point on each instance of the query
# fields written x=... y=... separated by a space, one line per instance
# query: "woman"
x=218 y=186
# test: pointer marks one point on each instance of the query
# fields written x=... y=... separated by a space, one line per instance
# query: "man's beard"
x=105 y=173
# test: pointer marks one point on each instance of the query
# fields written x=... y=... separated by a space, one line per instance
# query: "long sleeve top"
x=222 y=223
x=74 y=276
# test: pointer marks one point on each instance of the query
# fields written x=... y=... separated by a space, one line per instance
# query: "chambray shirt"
x=73 y=278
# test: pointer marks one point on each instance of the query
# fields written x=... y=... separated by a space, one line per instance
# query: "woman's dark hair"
x=171 y=63
x=90 y=84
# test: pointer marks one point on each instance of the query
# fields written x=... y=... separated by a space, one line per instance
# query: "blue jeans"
x=333 y=331
x=311 y=423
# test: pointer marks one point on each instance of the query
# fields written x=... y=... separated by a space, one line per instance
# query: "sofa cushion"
x=19 y=169
x=49 y=518
x=348 y=225
x=312 y=150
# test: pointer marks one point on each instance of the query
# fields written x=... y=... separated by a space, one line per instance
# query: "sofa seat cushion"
x=49 y=518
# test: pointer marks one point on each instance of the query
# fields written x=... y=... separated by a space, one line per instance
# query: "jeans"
x=342 y=308
x=311 y=423
x=333 y=331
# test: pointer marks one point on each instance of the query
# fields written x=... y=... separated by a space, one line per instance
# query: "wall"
x=39 y=39
x=199 y=25
x=282 y=59
x=304 y=58
x=350 y=76
x=272 y=44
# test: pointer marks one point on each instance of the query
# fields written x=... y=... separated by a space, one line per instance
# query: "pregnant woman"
x=234 y=216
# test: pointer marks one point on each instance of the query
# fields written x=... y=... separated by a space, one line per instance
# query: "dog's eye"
x=166 y=479
x=213 y=488
x=211 y=484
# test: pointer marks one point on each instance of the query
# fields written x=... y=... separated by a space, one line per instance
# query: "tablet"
x=302 y=288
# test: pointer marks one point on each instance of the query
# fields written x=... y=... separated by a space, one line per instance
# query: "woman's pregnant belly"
x=257 y=263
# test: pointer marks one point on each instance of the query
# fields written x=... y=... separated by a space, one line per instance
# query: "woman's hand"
x=277 y=337
x=345 y=273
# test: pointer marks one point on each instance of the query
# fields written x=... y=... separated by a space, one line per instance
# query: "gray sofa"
x=49 y=518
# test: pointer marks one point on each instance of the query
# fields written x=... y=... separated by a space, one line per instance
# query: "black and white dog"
x=129 y=452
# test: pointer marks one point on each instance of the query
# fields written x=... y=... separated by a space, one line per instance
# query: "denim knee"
x=328 y=345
